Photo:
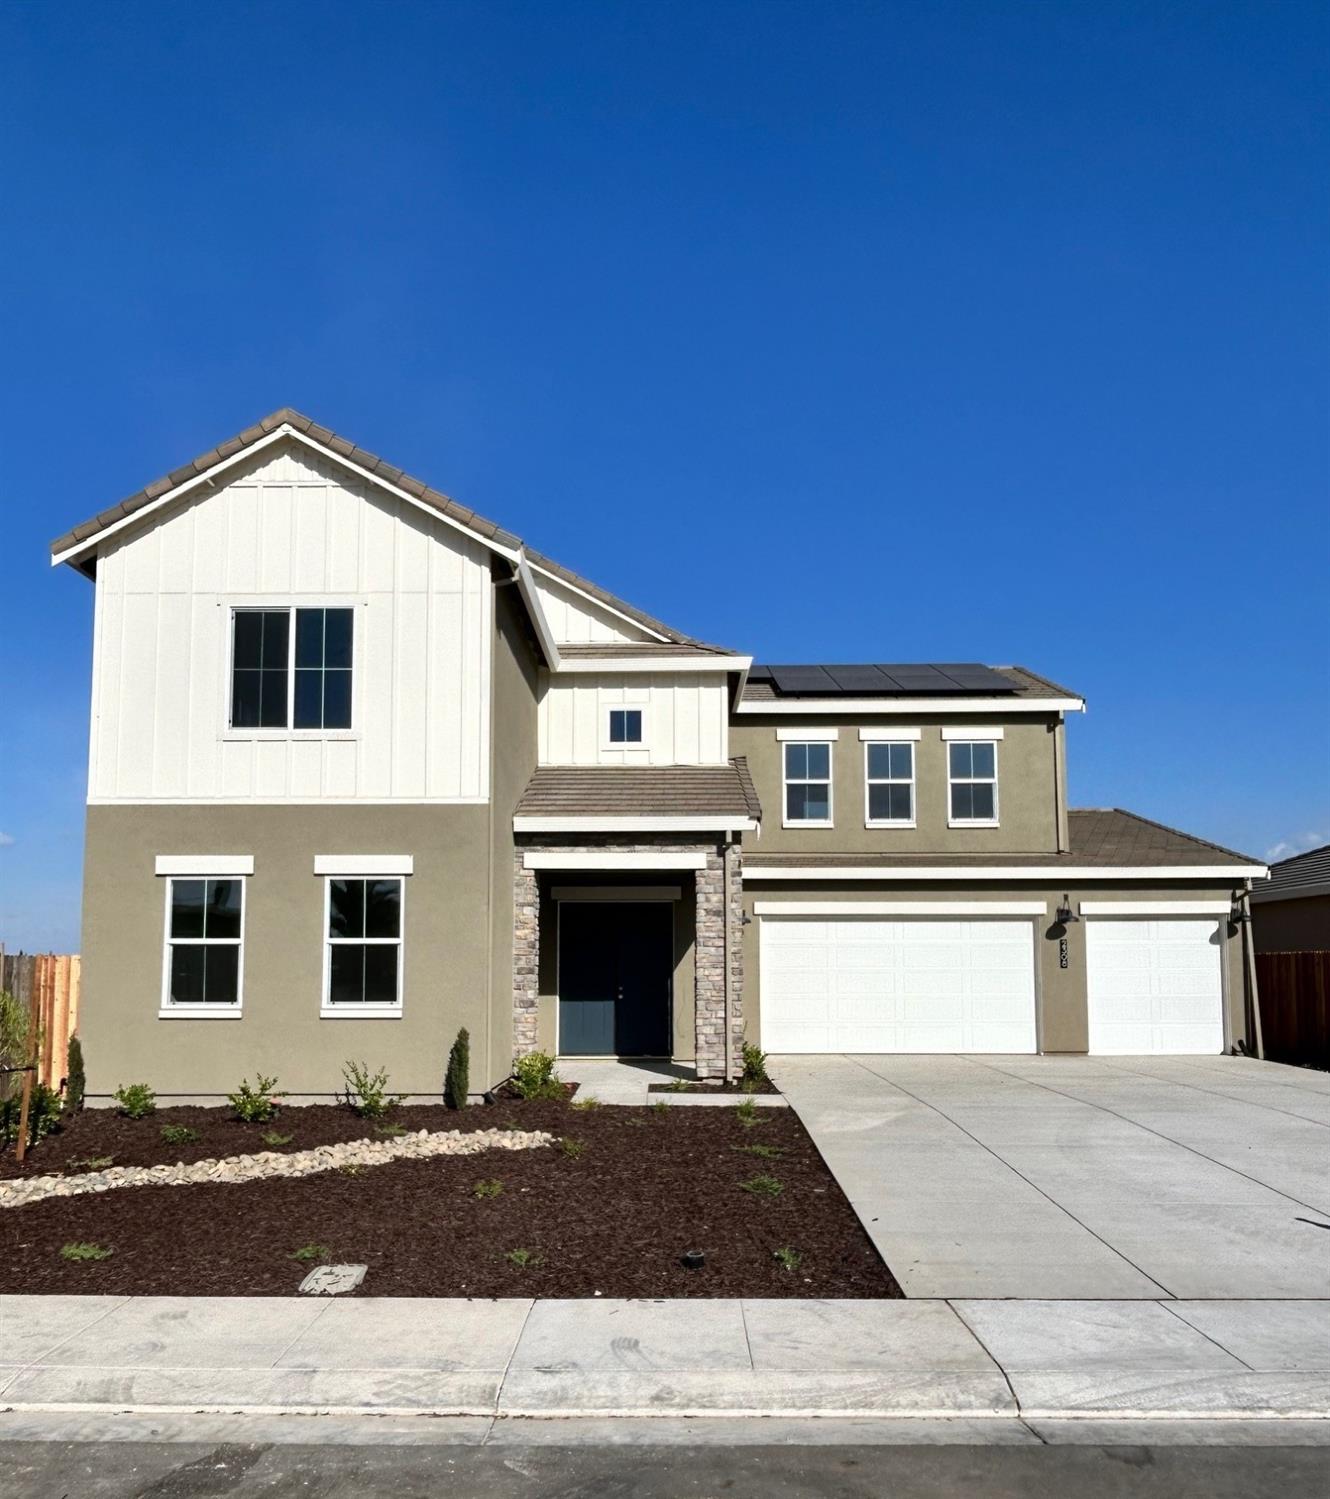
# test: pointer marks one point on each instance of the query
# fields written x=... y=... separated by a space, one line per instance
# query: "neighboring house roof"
x=1297 y=878
x=487 y=530
x=641 y=791
x=1100 y=838
x=1026 y=684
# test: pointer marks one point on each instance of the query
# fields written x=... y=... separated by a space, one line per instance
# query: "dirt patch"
x=738 y=1089
x=612 y=1213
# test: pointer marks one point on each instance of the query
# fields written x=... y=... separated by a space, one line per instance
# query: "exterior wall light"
x=1065 y=915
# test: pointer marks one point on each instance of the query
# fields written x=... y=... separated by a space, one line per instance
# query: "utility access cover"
x=332 y=1280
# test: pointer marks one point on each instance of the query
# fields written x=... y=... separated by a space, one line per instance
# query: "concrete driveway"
x=1079 y=1177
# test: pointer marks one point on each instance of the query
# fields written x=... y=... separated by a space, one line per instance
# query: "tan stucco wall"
x=1027 y=790
x=1060 y=992
x=1292 y=925
x=446 y=947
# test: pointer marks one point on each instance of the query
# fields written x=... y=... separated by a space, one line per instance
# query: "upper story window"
x=889 y=784
x=204 y=937
x=291 y=668
x=808 y=783
x=972 y=783
x=625 y=726
x=363 y=972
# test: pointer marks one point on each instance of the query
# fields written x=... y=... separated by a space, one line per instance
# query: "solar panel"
x=921 y=678
x=972 y=677
x=808 y=680
x=859 y=679
x=913 y=679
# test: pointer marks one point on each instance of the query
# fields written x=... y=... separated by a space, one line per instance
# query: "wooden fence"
x=1295 y=1006
x=48 y=984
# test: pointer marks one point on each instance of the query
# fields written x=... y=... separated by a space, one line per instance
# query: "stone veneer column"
x=736 y=899
x=526 y=957
x=709 y=970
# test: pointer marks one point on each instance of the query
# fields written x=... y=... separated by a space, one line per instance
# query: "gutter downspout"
x=1249 y=952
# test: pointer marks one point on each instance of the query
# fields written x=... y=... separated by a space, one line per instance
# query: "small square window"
x=625 y=726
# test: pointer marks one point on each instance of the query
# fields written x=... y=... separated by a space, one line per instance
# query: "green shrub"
x=534 y=1076
x=522 y=1258
x=748 y=1114
x=76 y=1083
x=309 y=1252
x=767 y=1152
x=43 y=1114
x=91 y=1163
x=179 y=1134
x=763 y=1186
x=136 y=1100
x=660 y=1107
x=85 y=1252
x=457 y=1080
x=787 y=1259
x=587 y=1104
x=254 y=1105
x=487 y=1189
x=367 y=1093
x=755 y=1068
x=273 y=1138
x=572 y=1148
x=389 y=1131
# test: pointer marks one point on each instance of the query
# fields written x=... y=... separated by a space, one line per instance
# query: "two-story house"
x=364 y=769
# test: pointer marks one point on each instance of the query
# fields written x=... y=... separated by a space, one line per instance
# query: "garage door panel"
x=1154 y=987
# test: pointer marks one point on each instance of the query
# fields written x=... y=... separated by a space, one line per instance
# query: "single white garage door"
x=1154 y=986
x=864 y=984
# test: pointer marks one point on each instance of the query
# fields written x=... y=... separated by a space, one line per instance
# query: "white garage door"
x=1154 y=986
x=864 y=984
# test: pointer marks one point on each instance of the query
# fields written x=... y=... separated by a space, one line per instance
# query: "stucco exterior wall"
x=1060 y=992
x=1028 y=793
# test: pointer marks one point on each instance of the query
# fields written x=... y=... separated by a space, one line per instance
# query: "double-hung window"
x=363 y=926
x=808 y=783
x=972 y=788
x=291 y=668
x=889 y=782
x=205 y=920
x=625 y=726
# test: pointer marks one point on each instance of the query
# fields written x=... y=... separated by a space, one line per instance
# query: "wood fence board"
x=1295 y=1006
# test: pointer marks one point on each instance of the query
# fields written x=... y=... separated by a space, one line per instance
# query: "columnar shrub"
x=457 y=1080
x=76 y=1083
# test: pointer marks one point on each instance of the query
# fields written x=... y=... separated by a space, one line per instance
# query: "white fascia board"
x=364 y=866
x=926 y=873
x=526 y=586
x=712 y=823
x=586 y=859
x=654 y=663
x=1155 y=908
x=889 y=734
x=900 y=908
x=205 y=866
x=859 y=707
x=800 y=734
x=599 y=603
x=279 y=434
x=968 y=731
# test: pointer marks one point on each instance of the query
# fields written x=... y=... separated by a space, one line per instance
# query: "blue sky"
x=829 y=331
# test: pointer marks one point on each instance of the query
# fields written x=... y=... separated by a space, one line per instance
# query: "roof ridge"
x=1321 y=848
x=1178 y=833
x=1040 y=678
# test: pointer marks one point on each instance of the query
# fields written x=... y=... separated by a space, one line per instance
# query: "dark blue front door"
x=615 y=967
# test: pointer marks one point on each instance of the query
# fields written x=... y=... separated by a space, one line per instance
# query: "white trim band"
x=1155 y=908
x=710 y=823
x=966 y=732
x=205 y=866
x=584 y=859
x=889 y=734
x=858 y=707
x=924 y=873
x=900 y=908
x=810 y=735
x=364 y=866
x=635 y=664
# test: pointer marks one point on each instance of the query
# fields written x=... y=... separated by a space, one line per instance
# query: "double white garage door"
x=865 y=984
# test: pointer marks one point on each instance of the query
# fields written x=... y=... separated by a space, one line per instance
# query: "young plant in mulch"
x=312 y=1253
x=80 y=1252
x=273 y=1138
x=367 y=1092
x=767 y=1152
x=91 y=1163
x=679 y=1085
x=660 y=1108
x=763 y=1186
x=389 y=1131
x=179 y=1134
x=572 y=1148
x=522 y=1258
x=748 y=1114
x=755 y=1070
x=457 y=1079
x=487 y=1189
x=585 y=1104
x=534 y=1076
x=136 y=1100
x=255 y=1105
x=787 y=1259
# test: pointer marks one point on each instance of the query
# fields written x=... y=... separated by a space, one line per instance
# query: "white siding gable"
x=292 y=528
x=575 y=620
x=684 y=718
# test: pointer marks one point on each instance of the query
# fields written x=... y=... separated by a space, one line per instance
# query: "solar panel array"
x=920 y=680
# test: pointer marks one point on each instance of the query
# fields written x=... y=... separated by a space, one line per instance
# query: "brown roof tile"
x=640 y=791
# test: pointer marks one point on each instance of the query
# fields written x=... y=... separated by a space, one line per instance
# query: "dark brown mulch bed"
x=737 y=1088
x=614 y=1219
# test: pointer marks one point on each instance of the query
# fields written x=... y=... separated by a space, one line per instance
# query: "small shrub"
x=767 y=1152
x=43 y=1114
x=367 y=1093
x=311 y=1252
x=522 y=1258
x=274 y=1138
x=92 y=1163
x=389 y=1131
x=254 y=1105
x=660 y=1107
x=85 y=1252
x=487 y=1189
x=763 y=1186
x=748 y=1114
x=572 y=1148
x=136 y=1100
x=589 y=1102
x=457 y=1079
x=787 y=1259
x=179 y=1134
x=534 y=1076
x=76 y=1084
x=679 y=1085
x=755 y=1068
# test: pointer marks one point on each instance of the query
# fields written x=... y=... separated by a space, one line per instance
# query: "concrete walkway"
x=977 y=1361
x=1079 y=1177
x=625 y=1081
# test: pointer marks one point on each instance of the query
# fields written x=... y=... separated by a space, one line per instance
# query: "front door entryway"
x=616 y=962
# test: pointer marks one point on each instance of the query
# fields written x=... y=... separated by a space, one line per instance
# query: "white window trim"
x=205 y=866
x=813 y=734
x=581 y=859
x=624 y=744
x=822 y=736
x=364 y=866
x=969 y=733
x=329 y=1011
x=975 y=822
x=165 y=1009
x=885 y=733
x=238 y=606
x=1130 y=908
x=890 y=822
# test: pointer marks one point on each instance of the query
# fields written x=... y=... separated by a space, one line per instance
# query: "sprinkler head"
x=693 y=1259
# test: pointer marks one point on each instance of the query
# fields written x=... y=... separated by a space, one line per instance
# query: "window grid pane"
x=259 y=646
x=973 y=792
x=364 y=942
x=323 y=669
x=203 y=942
x=808 y=782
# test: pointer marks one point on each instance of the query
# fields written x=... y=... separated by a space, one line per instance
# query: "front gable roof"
x=78 y=546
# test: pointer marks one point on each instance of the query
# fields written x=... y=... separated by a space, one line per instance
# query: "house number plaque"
x=1062 y=952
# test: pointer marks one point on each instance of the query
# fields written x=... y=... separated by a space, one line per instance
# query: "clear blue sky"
x=830 y=331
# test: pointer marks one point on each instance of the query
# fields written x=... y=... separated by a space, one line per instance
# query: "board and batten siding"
x=684 y=718
x=291 y=529
x=575 y=620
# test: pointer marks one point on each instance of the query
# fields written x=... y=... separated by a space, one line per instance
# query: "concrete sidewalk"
x=963 y=1360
